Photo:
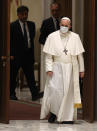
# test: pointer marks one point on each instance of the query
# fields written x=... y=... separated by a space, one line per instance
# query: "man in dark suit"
x=51 y=24
x=22 y=33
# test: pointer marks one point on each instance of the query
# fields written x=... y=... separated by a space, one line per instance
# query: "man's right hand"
x=12 y=57
x=50 y=73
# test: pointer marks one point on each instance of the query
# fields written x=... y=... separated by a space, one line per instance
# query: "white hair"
x=66 y=18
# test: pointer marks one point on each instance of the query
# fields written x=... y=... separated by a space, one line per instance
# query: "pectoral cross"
x=65 y=51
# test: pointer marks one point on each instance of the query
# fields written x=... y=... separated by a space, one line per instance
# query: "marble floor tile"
x=25 y=95
x=43 y=125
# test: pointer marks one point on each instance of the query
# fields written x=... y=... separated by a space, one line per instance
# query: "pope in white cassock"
x=64 y=63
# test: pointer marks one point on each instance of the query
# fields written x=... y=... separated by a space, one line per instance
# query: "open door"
x=89 y=44
x=4 y=61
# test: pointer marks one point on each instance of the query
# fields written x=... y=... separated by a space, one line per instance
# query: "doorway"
x=89 y=40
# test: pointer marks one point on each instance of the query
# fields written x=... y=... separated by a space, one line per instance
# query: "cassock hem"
x=77 y=105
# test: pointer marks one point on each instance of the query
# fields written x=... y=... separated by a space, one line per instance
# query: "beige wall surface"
x=13 y=9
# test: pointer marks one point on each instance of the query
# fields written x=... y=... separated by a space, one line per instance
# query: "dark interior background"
x=95 y=112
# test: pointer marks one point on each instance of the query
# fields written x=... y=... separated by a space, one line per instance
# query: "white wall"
x=46 y=9
x=78 y=17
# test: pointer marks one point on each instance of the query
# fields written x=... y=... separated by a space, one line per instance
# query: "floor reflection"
x=25 y=95
x=45 y=126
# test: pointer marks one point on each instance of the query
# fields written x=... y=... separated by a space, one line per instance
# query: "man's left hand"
x=82 y=74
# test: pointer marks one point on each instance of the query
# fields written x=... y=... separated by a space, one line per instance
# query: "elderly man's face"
x=23 y=16
x=65 y=23
x=55 y=11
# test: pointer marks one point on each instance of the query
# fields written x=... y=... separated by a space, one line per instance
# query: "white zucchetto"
x=65 y=18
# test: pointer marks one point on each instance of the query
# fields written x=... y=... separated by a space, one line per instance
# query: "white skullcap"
x=65 y=18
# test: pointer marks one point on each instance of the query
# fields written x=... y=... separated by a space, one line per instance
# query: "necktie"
x=57 y=24
x=25 y=36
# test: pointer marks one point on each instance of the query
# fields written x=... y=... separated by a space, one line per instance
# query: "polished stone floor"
x=43 y=125
x=25 y=95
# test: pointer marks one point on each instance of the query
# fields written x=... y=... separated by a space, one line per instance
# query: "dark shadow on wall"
x=95 y=104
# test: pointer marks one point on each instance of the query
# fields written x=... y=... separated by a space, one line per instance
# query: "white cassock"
x=42 y=70
x=62 y=90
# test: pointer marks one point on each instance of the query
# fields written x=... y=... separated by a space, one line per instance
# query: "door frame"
x=5 y=61
x=89 y=42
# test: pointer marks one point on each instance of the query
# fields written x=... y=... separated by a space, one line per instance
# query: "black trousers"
x=28 y=69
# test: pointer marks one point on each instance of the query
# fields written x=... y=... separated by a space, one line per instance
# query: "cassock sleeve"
x=81 y=63
x=48 y=62
x=76 y=47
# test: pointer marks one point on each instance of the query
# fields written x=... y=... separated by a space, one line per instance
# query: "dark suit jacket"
x=17 y=46
x=46 y=29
